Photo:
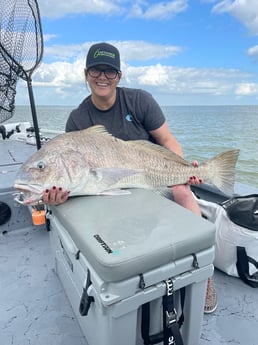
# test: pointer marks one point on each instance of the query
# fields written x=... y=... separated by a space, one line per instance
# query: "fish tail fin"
x=223 y=168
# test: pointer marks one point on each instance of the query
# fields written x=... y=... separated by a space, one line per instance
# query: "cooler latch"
x=195 y=261
x=172 y=335
x=86 y=299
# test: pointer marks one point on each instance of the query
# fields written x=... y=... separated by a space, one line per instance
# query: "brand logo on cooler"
x=171 y=340
x=103 y=244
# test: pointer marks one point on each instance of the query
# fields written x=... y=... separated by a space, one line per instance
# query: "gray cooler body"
x=128 y=246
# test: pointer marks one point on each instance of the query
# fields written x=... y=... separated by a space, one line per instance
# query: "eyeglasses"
x=110 y=73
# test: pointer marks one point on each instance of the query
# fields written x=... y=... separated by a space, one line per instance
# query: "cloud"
x=48 y=37
x=246 y=89
x=65 y=79
x=130 y=51
x=63 y=83
x=175 y=80
x=138 y=8
x=160 y=10
x=246 y=11
x=253 y=52
x=152 y=76
x=63 y=65
x=60 y=74
x=61 y=52
x=63 y=8
x=145 y=51
x=62 y=79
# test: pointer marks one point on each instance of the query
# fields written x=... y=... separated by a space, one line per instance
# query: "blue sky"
x=185 y=52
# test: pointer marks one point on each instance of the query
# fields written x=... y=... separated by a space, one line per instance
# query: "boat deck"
x=34 y=307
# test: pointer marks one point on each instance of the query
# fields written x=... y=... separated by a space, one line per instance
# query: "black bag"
x=243 y=268
x=243 y=211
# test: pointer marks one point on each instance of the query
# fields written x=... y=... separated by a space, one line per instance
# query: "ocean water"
x=203 y=131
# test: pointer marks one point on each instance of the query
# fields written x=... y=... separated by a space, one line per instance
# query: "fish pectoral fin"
x=109 y=176
x=113 y=192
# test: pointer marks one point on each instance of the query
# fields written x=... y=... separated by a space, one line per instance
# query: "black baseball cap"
x=103 y=54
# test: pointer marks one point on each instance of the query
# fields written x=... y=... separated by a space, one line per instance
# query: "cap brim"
x=103 y=63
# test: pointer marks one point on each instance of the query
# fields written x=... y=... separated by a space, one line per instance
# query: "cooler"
x=113 y=254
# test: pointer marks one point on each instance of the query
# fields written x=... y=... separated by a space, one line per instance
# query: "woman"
x=129 y=114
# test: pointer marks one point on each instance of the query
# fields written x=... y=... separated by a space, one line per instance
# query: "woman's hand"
x=55 y=196
x=195 y=179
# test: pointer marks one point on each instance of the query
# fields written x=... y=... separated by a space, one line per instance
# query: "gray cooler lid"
x=122 y=236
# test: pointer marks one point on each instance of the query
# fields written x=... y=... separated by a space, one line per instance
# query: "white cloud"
x=130 y=51
x=48 y=37
x=64 y=52
x=141 y=50
x=253 y=52
x=59 y=74
x=246 y=89
x=208 y=1
x=61 y=8
x=136 y=8
x=63 y=83
x=175 y=80
x=160 y=10
x=63 y=65
x=246 y=11
x=63 y=78
x=152 y=76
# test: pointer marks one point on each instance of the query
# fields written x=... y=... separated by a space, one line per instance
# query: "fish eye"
x=41 y=165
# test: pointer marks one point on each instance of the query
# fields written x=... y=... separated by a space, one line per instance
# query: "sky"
x=184 y=52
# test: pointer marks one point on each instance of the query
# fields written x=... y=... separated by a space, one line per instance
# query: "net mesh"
x=8 y=81
x=21 y=48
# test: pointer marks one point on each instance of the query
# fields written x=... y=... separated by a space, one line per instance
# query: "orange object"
x=38 y=217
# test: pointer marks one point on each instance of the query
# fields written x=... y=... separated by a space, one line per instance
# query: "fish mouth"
x=28 y=194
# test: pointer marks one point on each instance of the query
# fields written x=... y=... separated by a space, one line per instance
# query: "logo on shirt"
x=129 y=118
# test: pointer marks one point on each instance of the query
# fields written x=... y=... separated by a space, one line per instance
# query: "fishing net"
x=21 y=50
x=8 y=80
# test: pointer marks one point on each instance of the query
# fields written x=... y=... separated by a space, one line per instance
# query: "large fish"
x=93 y=162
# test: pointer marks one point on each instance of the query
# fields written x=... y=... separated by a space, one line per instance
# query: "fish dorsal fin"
x=166 y=153
x=98 y=129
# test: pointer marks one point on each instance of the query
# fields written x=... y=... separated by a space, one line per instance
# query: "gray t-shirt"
x=133 y=115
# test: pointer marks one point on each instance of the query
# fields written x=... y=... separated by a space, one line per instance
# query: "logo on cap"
x=99 y=53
